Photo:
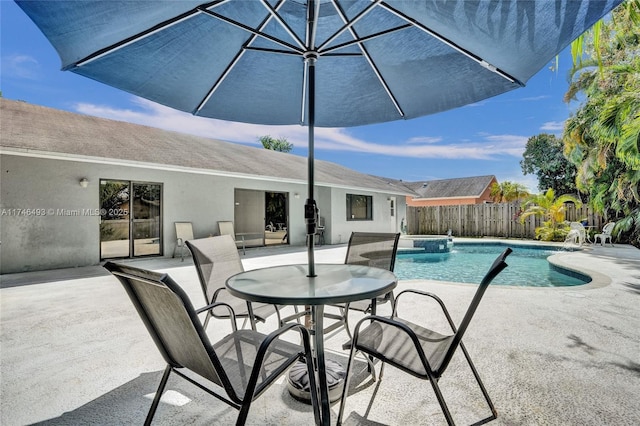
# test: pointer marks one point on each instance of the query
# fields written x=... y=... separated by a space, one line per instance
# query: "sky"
x=485 y=138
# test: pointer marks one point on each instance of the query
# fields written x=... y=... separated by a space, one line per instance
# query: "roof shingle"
x=451 y=188
x=26 y=126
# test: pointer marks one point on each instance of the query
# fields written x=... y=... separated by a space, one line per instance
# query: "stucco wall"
x=341 y=228
x=51 y=235
x=54 y=235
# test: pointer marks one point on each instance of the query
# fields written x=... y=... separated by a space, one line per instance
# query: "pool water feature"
x=429 y=244
x=467 y=263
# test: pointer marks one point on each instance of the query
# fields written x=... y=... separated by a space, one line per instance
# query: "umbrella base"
x=298 y=381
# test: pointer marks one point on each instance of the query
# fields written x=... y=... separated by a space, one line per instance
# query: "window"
x=359 y=207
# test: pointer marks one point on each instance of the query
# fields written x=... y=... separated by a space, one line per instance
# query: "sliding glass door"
x=131 y=219
x=146 y=221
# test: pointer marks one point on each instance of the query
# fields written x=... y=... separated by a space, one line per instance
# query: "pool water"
x=468 y=263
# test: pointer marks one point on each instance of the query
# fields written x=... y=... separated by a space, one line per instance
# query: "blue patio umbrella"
x=328 y=63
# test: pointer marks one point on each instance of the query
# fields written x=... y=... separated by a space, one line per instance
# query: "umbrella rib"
x=372 y=64
x=254 y=34
x=365 y=38
x=129 y=40
x=274 y=13
x=348 y=24
x=218 y=82
x=266 y=49
x=453 y=45
x=253 y=31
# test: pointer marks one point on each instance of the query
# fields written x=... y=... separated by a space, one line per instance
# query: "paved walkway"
x=73 y=351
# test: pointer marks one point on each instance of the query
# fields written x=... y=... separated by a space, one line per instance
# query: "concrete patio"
x=74 y=351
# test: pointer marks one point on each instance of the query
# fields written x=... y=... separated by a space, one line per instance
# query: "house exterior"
x=451 y=192
x=76 y=190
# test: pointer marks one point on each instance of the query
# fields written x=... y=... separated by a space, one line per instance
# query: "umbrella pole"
x=310 y=208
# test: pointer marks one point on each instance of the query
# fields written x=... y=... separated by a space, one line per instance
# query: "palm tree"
x=602 y=138
x=507 y=191
x=552 y=209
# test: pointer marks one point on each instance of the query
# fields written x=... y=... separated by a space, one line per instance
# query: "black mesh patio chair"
x=244 y=363
x=216 y=259
x=416 y=350
x=376 y=249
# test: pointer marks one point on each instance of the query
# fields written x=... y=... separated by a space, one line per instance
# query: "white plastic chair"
x=605 y=235
x=577 y=234
x=226 y=228
x=184 y=232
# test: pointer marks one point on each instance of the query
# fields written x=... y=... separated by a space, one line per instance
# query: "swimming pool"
x=467 y=263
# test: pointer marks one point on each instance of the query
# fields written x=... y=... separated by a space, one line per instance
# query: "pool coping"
x=598 y=280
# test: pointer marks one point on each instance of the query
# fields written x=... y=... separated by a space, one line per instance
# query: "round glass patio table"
x=333 y=283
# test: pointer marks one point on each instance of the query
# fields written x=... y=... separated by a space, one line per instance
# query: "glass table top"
x=290 y=285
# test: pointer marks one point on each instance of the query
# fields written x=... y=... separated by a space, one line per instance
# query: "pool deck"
x=73 y=351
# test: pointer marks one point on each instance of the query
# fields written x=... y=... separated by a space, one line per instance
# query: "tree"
x=552 y=209
x=602 y=137
x=507 y=191
x=281 y=144
x=544 y=158
x=276 y=208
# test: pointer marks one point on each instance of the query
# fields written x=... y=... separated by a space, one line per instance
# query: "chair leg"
x=482 y=388
x=156 y=399
x=244 y=411
x=252 y=318
x=369 y=359
x=345 y=389
x=443 y=404
x=206 y=319
x=371 y=368
x=243 y=246
x=346 y=321
x=313 y=386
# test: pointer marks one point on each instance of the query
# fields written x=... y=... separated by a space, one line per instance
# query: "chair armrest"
x=280 y=331
x=264 y=346
x=232 y=314
x=414 y=291
x=427 y=294
x=180 y=242
x=396 y=324
x=252 y=388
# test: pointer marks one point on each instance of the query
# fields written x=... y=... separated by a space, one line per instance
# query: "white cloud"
x=513 y=145
x=22 y=66
x=535 y=98
x=337 y=139
x=156 y=115
x=553 y=126
x=425 y=139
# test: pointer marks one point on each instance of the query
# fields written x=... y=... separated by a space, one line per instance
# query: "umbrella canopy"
x=330 y=63
x=378 y=61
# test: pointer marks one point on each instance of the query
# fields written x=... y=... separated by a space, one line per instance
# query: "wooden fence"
x=486 y=220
